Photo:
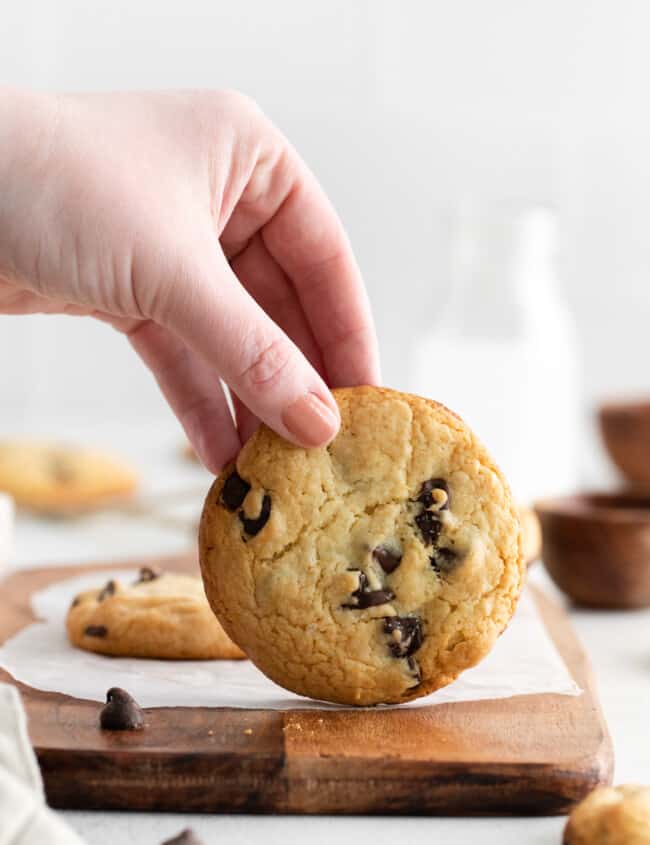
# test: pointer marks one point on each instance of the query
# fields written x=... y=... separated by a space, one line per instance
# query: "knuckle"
x=268 y=363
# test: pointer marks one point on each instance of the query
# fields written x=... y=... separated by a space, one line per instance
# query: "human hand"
x=188 y=222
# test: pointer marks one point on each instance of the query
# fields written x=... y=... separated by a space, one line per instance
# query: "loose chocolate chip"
x=108 y=590
x=425 y=496
x=255 y=525
x=121 y=712
x=387 y=558
x=185 y=837
x=443 y=560
x=148 y=573
x=406 y=634
x=234 y=491
x=363 y=597
x=429 y=525
x=96 y=631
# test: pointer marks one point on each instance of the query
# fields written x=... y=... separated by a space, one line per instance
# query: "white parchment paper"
x=524 y=661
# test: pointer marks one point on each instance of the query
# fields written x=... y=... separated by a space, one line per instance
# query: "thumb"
x=217 y=318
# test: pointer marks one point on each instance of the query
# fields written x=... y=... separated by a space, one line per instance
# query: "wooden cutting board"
x=535 y=754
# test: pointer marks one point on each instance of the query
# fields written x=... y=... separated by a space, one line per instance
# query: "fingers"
x=211 y=312
x=193 y=391
x=303 y=234
x=264 y=280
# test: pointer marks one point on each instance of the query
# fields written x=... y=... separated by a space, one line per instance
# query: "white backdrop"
x=399 y=107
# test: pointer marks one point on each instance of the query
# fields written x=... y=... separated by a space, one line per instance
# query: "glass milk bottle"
x=503 y=352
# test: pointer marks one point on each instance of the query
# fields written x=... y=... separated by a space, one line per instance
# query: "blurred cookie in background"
x=163 y=616
x=61 y=480
x=617 y=815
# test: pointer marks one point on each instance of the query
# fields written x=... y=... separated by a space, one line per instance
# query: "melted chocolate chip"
x=185 y=837
x=425 y=496
x=255 y=525
x=363 y=597
x=108 y=590
x=234 y=491
x=406 y=634
x=443 y=560
x=75 y=601
x=414 y=669
x=429 y=525
x=96 y=631
x=148 y=573
x=387 y=558
x=121 y=712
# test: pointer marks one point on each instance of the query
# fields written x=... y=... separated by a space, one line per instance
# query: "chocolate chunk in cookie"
x=121 y=712
x=234 y=491
x=255 y=525
x=435 y=493
x=387 y=558
x=444 y=560
x=429 y=525
x=148 y=573
x=109 y=590
x=364 y=597
x=405 y=633
x=96 y=631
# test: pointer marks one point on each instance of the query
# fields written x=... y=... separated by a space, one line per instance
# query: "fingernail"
x=310 y=420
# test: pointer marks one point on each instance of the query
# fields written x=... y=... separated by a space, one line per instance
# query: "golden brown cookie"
x=375 y=569
x=158 y=616
x=54 y=479
x=617 y=815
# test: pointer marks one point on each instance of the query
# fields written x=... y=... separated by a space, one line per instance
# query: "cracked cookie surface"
x=159 y=616
x=374 y=570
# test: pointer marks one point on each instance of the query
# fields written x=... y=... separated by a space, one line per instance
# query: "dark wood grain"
x=531 y=754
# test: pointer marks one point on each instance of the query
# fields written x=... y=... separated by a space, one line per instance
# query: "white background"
x=400 y=108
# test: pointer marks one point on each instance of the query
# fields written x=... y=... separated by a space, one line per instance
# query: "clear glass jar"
x=503 y=350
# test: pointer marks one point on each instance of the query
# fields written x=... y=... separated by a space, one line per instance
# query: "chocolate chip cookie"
x=375 y=569
x=56 y=479
x=164 y=616
x=611 y=816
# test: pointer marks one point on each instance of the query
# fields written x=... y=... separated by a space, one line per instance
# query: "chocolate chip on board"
x=405 y=633
x=109 y=590
x=363 y=597
x=121 y=712
x=255 y=525
x=387 y=558
x=185 y=837
x=96 y=631
x=234 y=491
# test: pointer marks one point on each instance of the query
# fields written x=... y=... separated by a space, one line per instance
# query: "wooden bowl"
x=596 y=547
x=625 y=429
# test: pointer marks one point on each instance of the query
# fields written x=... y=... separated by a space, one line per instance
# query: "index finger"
x=306 y=238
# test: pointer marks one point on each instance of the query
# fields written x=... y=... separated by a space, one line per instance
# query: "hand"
x=189 y=223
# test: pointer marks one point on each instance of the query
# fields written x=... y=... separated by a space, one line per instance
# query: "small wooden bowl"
x=625 y=429
x=596 y=547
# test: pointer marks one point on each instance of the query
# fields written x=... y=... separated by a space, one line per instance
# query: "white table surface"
x=618 y=643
